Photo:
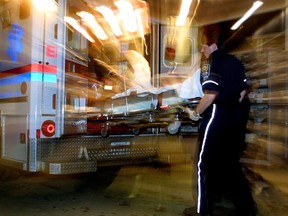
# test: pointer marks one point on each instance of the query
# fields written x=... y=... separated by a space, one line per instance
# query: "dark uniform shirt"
x=225 y=74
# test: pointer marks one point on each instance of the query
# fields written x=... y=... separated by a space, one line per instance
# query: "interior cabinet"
x=266 y=69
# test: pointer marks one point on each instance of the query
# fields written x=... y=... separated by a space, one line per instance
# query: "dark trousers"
x=219 y=169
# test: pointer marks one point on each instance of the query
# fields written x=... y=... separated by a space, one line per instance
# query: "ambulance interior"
x=127 y=60
x=149 y=70
x=123 y=88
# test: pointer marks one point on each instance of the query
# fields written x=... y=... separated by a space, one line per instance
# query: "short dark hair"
x=214 y=34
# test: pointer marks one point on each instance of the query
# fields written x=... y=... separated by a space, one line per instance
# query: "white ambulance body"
x=43 y=100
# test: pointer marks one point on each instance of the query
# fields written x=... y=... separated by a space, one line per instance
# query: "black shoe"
x=220 y=211
x=192 y=211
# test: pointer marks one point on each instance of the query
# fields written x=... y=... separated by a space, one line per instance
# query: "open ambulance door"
x=72 y=87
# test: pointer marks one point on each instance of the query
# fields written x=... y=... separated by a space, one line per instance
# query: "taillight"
x=48 y=128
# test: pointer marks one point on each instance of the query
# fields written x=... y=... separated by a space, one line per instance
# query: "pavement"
x=270 y=186
x=270 y=191
x=136 y=190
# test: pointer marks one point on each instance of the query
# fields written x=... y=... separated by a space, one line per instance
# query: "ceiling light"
x=255 y=6
x=110 y=18
x=93 y=24
x=76 y=25
x=184 y=10
x=126 y=12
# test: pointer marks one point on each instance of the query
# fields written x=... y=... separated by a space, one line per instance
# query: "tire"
x=172 y=130
x=104 y=131
x=136 y=131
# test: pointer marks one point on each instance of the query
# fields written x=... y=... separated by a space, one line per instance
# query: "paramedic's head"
x=211 y=39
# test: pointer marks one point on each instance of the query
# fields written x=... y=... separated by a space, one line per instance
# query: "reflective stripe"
x=200 y=157
x=45 y=77
x=36 y=68
x=28 y=77
x=209 y=81
x=11 y=86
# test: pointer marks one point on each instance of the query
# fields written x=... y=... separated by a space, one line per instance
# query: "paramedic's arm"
x=242 y=94
x=206 y=101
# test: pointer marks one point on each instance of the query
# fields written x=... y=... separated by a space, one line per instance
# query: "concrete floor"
x=136 y=190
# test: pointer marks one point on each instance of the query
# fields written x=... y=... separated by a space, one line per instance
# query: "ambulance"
x=52 y=85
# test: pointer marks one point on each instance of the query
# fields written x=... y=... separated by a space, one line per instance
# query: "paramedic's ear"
x=213 y=47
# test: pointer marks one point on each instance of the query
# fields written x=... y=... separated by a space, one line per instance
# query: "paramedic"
x=224 y=86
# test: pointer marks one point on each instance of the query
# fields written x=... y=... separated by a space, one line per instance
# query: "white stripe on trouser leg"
x=200 y=157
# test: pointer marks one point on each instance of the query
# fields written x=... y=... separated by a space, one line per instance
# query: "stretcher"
x=136 y=112
x=143 y=107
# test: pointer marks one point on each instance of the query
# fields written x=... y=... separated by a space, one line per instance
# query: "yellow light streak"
x=76 y=25
x=45 y=5
x=126 y=12
x=93 y=24
x=184 y=10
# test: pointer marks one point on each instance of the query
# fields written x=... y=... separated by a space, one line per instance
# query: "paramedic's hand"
x=193 y=115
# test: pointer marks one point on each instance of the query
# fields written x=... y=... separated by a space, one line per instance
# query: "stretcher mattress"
x=140 y=99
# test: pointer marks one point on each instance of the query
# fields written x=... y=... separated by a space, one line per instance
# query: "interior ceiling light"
x=93 y=25
x=111 y=19
x=184 y=10
x=75 y=24
x=254 y=7
x=126 y=12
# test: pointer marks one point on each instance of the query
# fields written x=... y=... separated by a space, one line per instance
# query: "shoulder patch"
x=205 y=71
